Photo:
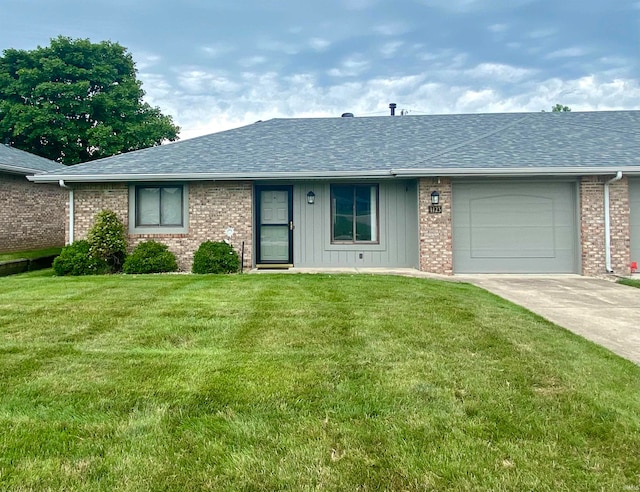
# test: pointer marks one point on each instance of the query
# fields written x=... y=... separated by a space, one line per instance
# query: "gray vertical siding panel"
x=398 y=229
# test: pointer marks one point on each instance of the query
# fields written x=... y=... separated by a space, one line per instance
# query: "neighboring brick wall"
x=213 y=207
x=31 y=215
x=436 y=245
x=592 y=231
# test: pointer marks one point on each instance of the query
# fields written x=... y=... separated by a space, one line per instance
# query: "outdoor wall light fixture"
x=311 y=198
x=435 y=198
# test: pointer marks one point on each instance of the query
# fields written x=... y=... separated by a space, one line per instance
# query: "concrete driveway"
x=600 y=310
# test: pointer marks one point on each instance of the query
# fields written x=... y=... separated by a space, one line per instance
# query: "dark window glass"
x=354 y=213
x=159 y=206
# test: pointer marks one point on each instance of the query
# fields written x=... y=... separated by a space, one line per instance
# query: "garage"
x=634 y=220
x=514 y=226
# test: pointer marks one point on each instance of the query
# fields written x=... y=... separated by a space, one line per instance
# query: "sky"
x=219 y=64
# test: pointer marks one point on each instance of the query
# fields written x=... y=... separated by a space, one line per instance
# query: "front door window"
x=275 y=225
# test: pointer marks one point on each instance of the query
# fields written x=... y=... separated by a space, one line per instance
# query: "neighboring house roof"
x=17 y=161
x=469 y=144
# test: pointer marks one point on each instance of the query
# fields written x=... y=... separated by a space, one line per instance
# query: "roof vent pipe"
x=392 y=107
x=607 y=222
x=347 y=115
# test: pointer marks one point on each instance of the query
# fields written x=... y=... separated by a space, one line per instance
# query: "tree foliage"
x=559 y=108
x=75 y=101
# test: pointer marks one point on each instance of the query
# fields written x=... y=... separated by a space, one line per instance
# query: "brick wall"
x=213 y=207
x=592 y=231
x=31 y=215
x=89 y=199
x=436 y=246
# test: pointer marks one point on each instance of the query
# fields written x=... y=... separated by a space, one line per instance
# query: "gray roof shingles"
x=421 y=143
x=18 y=161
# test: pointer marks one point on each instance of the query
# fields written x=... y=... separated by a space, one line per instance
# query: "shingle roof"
x=422 y=145
x=21 y=162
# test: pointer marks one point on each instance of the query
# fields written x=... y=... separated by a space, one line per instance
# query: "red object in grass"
x=634 y=266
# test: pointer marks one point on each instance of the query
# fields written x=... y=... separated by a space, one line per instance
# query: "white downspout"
x=71 y=212
x=607 y=222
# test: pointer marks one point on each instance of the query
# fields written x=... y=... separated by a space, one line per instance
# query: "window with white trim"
x=354 y=214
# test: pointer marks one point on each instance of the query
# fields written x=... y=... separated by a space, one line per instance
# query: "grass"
x=302 y=382
x=30 y=254
x=630 y=282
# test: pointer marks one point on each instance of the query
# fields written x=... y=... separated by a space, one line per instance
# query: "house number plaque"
x=435 y=209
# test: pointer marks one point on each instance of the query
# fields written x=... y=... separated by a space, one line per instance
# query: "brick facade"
x=436 y=245
x=592 y=230
x=31 y=215
x=213 y=207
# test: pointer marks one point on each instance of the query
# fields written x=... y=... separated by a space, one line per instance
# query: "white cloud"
x=443 y=59
x=252 y=61
x=319 y=44
x=279 y=46
x=359 y=4
x=389 y=49
x=146 y=60
x=350 y=67
x=391 y=29
x=217 y=49
x=500 y=72
x=473 y=100
x=200 y=81
x=541 y=33
x=498 y=28
x=572 y=52
x=208 y=102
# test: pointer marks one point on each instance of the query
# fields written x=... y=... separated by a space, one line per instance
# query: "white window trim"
x=184 y=229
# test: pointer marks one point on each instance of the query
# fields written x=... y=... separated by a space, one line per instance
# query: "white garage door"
x=511 y=226
x=634 y=203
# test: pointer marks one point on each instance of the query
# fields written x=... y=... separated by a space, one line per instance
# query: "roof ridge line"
x=475 y=139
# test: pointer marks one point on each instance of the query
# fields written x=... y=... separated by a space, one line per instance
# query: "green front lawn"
x=302 y=382
x=629 y=281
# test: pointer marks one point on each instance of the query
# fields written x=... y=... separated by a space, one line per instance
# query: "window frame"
x=354 y=216
x=135 y=228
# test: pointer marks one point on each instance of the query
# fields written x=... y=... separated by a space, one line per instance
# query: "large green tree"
x=75 y=101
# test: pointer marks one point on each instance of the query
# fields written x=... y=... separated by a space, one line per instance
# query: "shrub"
x=75 y=259
x=107 y=240
x=215 y=257
x=150 y=257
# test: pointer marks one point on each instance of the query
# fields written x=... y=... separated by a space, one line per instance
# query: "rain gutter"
x=71 y=211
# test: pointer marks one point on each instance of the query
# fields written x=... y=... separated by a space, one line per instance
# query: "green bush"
x=75 y=259
x=107 y=240
x=215 y=257
x=150 y=257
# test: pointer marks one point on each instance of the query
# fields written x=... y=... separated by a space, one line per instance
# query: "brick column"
x=592 y=230
x=436 y=246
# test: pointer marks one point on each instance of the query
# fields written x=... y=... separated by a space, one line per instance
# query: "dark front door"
x=274 y=225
